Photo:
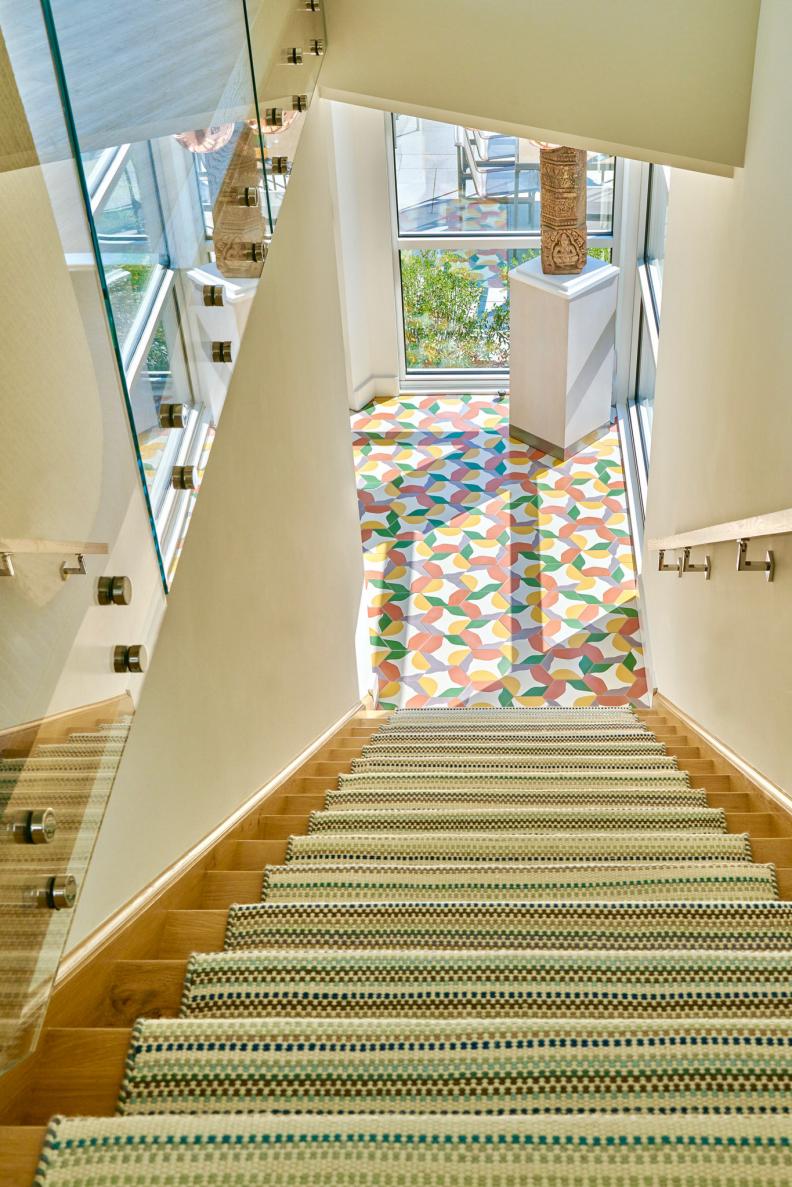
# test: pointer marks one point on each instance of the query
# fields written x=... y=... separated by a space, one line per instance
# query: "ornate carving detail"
x=564 y=238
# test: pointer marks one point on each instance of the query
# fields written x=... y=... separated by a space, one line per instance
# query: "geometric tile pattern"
x=496 y=575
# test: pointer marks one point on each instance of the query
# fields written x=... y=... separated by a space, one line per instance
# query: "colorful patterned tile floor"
x=495 y=575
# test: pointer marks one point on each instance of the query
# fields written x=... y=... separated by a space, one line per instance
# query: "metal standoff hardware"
x=130 y=657
x=273 y=117
x=6 y=565
x=294 y=55
x=312 y=6
x=663 y=567
x=173 y=416
x=686 y=567
x=280 y=165
x=767 y=566
x=248 y=196
x=221 y=352
x=75 y=570
x=258 y=252
x=299 y=102
x=213 y=294
x=184 y=478
x=114 y=591
x=316 y=47
x=55 y=894
x=37 y=827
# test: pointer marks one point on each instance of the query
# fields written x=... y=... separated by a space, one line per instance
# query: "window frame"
x=460 y=378
x=169 y=507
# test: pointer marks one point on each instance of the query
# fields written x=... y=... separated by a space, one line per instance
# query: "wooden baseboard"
x=134 y=931
x=746 y=777
x=146 y=898
x=56 y=728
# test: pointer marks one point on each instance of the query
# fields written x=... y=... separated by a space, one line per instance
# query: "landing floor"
x=495 y=575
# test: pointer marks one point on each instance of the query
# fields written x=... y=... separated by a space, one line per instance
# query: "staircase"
x=508 y=947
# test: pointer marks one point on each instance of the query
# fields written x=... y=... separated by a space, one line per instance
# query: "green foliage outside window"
x=450 y=319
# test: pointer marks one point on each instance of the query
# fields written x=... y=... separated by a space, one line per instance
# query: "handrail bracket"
x=686 y=567
x=75 y=570
x=767 y=566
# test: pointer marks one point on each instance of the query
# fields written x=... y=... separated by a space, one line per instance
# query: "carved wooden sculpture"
x=562 y=174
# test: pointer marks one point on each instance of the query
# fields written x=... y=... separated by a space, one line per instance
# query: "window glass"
x=161 y=377
x=131 y=238
x=645 y=386
x=656 y=228
x=452 y=180
x=456 y=305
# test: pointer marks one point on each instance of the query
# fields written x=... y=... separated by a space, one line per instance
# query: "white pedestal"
x=562 y=353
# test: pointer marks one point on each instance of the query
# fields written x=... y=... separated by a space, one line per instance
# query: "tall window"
x=646 y=336
x=467 y=210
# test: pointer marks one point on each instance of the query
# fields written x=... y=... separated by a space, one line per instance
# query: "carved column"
x=562 y=175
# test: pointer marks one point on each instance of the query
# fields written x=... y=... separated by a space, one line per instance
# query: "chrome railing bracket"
x=686 y=567
x=767 y=566
x=662 y=567
x=75 y=570
x=6 y=565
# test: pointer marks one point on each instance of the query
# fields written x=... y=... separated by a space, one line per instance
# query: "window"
x=656 y=228
x=467 y=210
x=652 y=225
x=131 y=234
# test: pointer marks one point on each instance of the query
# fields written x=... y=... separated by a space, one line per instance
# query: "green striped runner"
x=438 y=819
x=758 y=925
x=511 y=845
x=516 y=1065
x=327 y=881
x=385 y=983
x=615 y=797
x=430 y=1150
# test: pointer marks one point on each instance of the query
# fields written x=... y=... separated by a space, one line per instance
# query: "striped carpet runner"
x=515 y=947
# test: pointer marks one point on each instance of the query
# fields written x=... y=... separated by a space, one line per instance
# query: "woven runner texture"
x=523 y=820
x=514 y=881
x=512 y=1065
x=542 y=846
x=516 y=947
x=592 y=797
x=749 y=925
x=419 y=1151
x=385 y=982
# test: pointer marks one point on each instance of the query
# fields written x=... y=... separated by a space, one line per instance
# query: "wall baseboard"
x=741 y=769
x=371 y=387
x=108 y=931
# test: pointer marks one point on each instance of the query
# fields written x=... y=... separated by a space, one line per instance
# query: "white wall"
x=68 y=468
x=639 y=78
x=363 y=221
x=723 y=426
x=256 y=656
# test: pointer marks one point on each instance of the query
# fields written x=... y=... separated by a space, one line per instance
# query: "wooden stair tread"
x=82 y=1070
x=20 y=1149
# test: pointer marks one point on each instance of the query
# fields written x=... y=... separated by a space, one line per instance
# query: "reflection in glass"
x=456 y=305
x=452 y=180
x=129 y=227
x=656 y=230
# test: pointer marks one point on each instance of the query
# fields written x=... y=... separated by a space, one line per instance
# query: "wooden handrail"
x=774 y=523
x=58 y=547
